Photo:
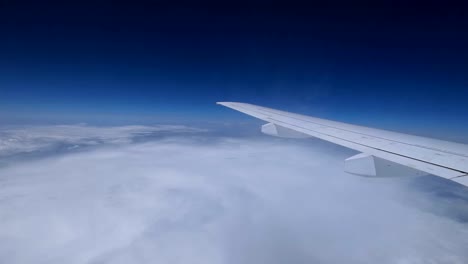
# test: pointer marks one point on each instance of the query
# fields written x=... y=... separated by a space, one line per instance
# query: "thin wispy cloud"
x=27 y=139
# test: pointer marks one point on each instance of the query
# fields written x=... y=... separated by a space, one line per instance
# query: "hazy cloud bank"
x=27 y=139
x=176 y=200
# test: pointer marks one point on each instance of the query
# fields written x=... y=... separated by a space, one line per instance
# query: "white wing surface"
x=381 y=151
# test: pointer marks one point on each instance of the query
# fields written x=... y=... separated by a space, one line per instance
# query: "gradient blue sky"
x=395 y=66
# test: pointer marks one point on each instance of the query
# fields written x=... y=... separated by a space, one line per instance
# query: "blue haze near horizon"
x=399 y=68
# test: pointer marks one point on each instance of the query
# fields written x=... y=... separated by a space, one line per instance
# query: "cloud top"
x=28 y=139
x=225 y=200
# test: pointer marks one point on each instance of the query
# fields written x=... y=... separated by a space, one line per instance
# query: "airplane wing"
x=383 y=153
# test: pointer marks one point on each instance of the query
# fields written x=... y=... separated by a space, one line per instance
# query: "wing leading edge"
x=437 y=157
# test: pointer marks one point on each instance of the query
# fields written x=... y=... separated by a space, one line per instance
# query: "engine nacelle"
x=371 y=166
x=279 y=131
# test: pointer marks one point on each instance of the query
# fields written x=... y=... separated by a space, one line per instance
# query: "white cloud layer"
x=180 y=200
x=28 y=139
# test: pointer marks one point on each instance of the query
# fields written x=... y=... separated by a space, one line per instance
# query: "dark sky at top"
x=359 y=63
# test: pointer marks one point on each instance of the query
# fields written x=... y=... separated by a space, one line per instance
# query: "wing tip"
x=226 y=103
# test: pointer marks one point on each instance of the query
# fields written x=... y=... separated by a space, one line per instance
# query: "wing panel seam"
x=393 y=153
x=359 y=133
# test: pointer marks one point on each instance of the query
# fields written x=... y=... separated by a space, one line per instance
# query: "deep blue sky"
x=381 y=65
